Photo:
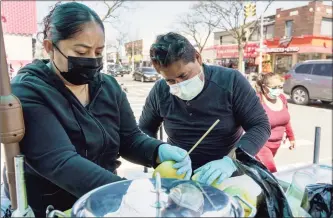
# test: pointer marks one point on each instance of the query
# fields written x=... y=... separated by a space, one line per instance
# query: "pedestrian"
x=11 y=71
x=269 y=87
x=78 y=121
x=191 y=97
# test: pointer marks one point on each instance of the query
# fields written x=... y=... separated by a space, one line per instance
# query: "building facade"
x=19 y=25
x=290 y=36
x=303 y=33
x=225 y=48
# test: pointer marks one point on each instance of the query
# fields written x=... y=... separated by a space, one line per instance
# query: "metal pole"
x=11 y=122
x=105 y=53
x=132 y=56
x=316 y=145
x=261 y=42
x=161 y=132
x=22 y=202
x=145 y=169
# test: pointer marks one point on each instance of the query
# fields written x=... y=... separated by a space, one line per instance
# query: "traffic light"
x=250 y=10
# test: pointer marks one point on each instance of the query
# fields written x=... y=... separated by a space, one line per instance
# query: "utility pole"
x=132 y=56
x=105 y=52
x=261 y=42
x=106 y=57
x=250 y=10
x=133 y=40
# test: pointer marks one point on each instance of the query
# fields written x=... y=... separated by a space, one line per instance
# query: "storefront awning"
x=302 y=44
x=231 y=51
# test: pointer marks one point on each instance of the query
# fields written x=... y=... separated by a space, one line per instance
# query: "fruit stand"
x=156 y=197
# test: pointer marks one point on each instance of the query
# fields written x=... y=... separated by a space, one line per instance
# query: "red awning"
x=315 y=49
x=19 y=17
x=301 y=44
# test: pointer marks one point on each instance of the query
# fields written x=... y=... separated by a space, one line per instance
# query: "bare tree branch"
x=233 y=20
x=198 y=25
x=112 y=7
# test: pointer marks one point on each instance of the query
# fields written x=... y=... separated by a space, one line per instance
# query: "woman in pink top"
x=269 y=88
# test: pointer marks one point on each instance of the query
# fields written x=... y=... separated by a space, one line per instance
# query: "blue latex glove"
x=217 y=169
x=183 y=162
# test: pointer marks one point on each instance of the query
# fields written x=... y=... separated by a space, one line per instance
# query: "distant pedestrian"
x=270 y=90
x=11 y=71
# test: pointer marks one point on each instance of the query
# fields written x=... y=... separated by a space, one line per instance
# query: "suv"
x=310 y=80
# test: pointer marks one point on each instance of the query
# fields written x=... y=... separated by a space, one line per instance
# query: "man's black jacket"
x=227 y=96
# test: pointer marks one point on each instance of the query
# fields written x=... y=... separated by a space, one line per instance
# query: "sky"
x=146 y=19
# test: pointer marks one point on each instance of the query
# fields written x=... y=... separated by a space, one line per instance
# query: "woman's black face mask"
x=81 y=70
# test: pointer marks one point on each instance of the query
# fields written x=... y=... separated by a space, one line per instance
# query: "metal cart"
x=285 y=177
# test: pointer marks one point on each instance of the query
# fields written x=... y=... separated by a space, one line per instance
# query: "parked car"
x=145 y=74
x=115 y=71
x=310 y=80
x=126 y=69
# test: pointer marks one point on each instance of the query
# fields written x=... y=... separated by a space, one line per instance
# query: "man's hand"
x=168 y=152
x=217 y=169
x=292 y=145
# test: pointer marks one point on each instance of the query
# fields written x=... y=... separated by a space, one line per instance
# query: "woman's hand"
x=292 y=145
x=183 y=163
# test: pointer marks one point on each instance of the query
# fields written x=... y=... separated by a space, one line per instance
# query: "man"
x=191 y=97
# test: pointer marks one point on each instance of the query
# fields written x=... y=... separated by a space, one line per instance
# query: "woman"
x=269 y=88
x=78 y=121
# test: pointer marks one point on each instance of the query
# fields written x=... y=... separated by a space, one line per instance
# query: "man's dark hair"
x=170 y=48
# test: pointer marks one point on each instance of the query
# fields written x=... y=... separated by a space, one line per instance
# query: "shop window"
x=304 y=69
x=283 y=63
x=269 y=31
x=322 y=70
x=316 y=56
x=303 y=57
x=289 y=28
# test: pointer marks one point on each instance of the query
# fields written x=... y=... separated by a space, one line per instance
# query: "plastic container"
x=296 y=191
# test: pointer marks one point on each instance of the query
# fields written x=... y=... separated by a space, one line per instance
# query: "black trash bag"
x=274 y=202
x=317 y=200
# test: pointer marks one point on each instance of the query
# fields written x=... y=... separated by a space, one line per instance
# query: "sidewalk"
x=133 y=171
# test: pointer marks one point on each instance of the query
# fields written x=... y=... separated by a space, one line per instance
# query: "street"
x=304 y=120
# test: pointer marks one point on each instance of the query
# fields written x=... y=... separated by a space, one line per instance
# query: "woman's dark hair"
x=170 y=48
x=65 y=20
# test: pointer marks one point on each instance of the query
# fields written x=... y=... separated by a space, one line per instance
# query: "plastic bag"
x=274 y=202
x=317 y=200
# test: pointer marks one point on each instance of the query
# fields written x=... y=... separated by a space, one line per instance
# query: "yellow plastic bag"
x=68 y=212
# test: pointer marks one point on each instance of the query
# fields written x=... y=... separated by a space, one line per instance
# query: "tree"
x=198 y=25
x=119 y=43
x=112 y=8
x=233 y=20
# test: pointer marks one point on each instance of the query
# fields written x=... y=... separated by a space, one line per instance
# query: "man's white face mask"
x=188 y=89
